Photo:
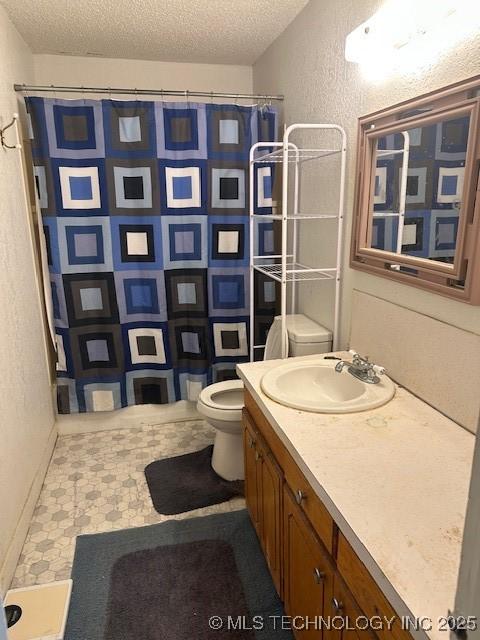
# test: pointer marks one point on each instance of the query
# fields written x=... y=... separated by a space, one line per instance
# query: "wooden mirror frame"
x=461 y=279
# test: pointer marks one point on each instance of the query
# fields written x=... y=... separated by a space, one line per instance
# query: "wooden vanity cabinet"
x=251 y=475
x=312 y=586
x=307 y=570
x=314 y=569
x=347 y=619
x=263 y=493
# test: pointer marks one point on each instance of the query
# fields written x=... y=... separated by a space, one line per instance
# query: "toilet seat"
x=221 y=403
x=222 y=400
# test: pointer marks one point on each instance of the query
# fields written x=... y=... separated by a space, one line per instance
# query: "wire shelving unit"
x=400 y=214
x=285 y=267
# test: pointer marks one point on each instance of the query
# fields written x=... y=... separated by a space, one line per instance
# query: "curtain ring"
x=110 y=92
x=161 y=95
x=236 y=99
x=54 y=92
x=187 y=97
x=211 y=96
x=136 y=94
x=83 y=95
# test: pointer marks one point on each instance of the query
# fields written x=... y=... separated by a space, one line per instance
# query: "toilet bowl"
x=221 y=403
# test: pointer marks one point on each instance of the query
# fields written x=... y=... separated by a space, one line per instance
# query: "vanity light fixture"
x=406 y=35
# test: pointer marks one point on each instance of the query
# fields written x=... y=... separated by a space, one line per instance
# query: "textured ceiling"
x=213 y=31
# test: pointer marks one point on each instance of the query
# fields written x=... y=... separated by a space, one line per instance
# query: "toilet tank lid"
x=301 y=329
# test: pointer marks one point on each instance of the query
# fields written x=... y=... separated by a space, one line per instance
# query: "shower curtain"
x=145 y=213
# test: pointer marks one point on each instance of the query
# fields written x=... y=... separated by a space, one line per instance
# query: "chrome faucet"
x=361 y=368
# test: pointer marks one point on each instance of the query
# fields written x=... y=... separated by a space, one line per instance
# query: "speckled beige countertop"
x=395 y=480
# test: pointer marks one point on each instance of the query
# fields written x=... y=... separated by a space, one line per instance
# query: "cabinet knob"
x=337 y=604
x=318 y=575
x=300 y=496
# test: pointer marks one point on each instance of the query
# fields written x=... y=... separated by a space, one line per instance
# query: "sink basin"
x=316 y=386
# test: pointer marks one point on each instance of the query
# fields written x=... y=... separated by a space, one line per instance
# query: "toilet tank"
x=305 y=337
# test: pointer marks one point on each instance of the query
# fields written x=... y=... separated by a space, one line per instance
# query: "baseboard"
x=128 y=418
x=14 y=550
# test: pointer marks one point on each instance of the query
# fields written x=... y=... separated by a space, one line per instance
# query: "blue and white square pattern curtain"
x=145 y=212
x=437 y=156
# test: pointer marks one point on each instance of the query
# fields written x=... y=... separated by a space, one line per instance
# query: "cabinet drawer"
x=366 y=592
x=310 y=503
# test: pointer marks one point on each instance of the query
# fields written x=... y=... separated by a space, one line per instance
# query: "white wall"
x=307 y=64
x=142 y=74
x=27 y=419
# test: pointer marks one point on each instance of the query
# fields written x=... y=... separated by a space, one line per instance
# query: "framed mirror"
x=416 y=217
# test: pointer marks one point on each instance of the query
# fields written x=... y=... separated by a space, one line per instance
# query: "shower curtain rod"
x=145 y=92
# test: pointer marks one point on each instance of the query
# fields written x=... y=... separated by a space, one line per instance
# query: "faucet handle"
x=358 y=360
x=356 y=355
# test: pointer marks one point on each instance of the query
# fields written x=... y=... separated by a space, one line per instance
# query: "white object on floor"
x=44 y=611
x=221 y=403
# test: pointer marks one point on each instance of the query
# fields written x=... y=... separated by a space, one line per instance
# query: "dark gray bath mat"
x=198 y=580
x=188 y=482
x=165 y=581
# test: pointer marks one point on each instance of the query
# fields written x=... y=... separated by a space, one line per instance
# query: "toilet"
x=221 y=403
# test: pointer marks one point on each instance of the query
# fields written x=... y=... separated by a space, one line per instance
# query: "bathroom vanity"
x=359 y=515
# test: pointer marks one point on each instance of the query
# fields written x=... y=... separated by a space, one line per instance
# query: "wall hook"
x=2 y=134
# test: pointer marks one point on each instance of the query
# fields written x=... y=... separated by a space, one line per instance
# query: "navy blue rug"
x=203 y=578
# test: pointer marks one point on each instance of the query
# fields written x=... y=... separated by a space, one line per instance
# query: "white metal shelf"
x=388 y=152
x=298 y=216
x=295 y=154
x=285 y=267
x=295 y=272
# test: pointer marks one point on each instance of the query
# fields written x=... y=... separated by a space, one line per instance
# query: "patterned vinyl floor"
x=96 y=483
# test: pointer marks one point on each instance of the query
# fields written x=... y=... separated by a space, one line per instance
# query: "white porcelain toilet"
x=221 y=403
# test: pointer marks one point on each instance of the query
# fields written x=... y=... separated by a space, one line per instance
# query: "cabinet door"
x=347 y=622
x=251 y=476
x=308 y=574
x=270 y=512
